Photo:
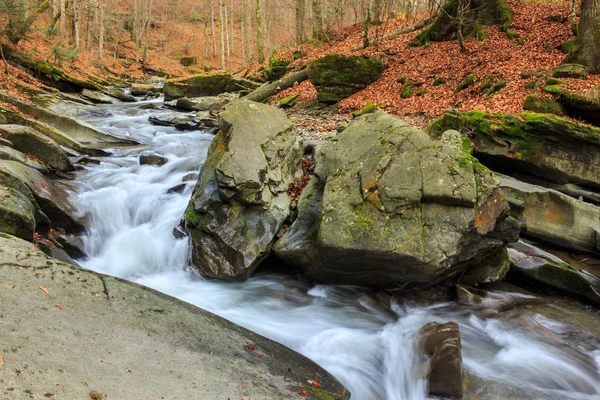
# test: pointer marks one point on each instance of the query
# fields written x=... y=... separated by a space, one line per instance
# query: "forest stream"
x=364 y=338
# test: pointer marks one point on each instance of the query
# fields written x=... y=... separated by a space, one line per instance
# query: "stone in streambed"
x=17 y=214
x=440 y=344
x=240 y=201
x=151 y=158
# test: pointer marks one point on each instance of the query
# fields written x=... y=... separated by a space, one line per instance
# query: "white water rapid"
x=353 y=333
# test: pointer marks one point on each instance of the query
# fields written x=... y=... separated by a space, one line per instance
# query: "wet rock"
x=119 y=94
x=240 y=201
x=208 y=103
x=570 y=71
x=16 y=214
x=151 y=106
x=151 y=158
x=8 y=153
x=533 y=264
x=206 y=85
x=71 y=244
x=311 y=145
x=50 y=200
x=30 y=141
x=498 y=302
x=177 y=189
x=97 y=97
x=383 y=183
x=184 y=122
x=179 y=231
x=138 y=89
x=552 y=216
x=75 y=110
x=192 y=176
x=440 y=344
x=539 y=144
x=336 y=76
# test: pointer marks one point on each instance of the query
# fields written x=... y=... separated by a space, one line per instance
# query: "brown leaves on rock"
x=295 y=188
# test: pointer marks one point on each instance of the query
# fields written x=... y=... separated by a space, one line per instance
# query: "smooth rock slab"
x=94 y=333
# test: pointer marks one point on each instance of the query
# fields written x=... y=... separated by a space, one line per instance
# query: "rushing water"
x=363 y=338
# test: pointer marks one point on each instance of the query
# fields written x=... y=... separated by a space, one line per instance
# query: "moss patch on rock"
x=543 y=105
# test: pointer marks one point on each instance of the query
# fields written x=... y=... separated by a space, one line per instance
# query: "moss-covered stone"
x=367 y=109
x=585 y=107
x=206 y=85
x=336 y=76
x=543 y=105
x=439 y=80
x=570 y=71
x=467 y=82
x=542 y=144
x=277 y=68
x=17 y=213
x=407 y=91
x=187 y=61
x=289 y=101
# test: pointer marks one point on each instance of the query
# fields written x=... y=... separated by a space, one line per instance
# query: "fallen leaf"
x=60 y=385
x=316 y=383
x=261 y=356
x=44 y=289
x=250 y=347
x=59 y=306
x=303 y=393
x=1 y=361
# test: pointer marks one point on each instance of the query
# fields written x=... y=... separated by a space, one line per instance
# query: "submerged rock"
x=440 y=344
x=552 y=216
x=151 y=158
x=541 y=144
x=478 y=298
x=535 y=265
x=28 y=140
x=336 y=76
x=184 y=122
x=240 y=201
x=390 y=206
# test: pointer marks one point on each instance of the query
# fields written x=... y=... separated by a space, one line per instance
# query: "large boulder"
x=390 y=206
x=8 y=153
x=208 y=103
x=552 y=216
x=139 y=89
x=206 y=85
x=28 y=140
x=337 y=76
x=541 y=144
x=97 y=97
x=440 y=345
x=50 y=200
x=584 y=106
x=531 y=264
x=240 y=201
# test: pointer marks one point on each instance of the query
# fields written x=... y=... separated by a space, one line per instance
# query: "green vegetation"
x=407 y=91
x=467 y=82
x=367 y=109
x=439 y=80
x=543 y=105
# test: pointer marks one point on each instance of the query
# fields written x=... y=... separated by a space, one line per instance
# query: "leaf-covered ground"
x=518 y=62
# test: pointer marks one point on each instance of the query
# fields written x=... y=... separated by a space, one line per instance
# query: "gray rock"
x=138 y=89
x=534 y=264
x=240 y=201
x=192 y=176
x=206 y=85
x=75 y=110
x=177 y=188
x=97 y=97
x=208 y=103
x=136 y=360
x=440 y=344
x=390 y=206
x=151 y=158
x=119 y=94
x=184 y=122
x=50 y=200
x=311 y=145
x=30 y=141
x=483 y=299
x=8 y=153
x=552 y=216
x=17 y=213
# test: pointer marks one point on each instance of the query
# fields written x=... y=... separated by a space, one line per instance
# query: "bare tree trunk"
x=101 y=33
x=148 y=23
x=231 y=29
x=586 y=50
x=271 y=89
x=300 y=18
x=260 y=50
x=318 y=30
x=222 y=26
x=227 y=44
x=77 y=22
x=63 y=17
x=88 y=34
x=212 y=27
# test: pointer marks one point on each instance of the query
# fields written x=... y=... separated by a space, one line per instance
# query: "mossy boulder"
x=540 y=144
x=240 y=201
x=544 y=105
x=29 y=141
x=336 y=76
x=289 y=101
x=10 y=154
x=367 y=109
x=140 y=89
x=530 y=264
x=187 y=61
x=467 y=82
x=17 y=214
x=585 y=107
x=206 y=85
x=570 y=71
x=277 y=68
x=390 y=206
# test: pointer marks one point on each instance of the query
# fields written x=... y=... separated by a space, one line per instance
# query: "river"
x=363 y=338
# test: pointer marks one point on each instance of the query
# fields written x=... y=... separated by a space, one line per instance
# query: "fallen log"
x=408 y=29
x=271 y=89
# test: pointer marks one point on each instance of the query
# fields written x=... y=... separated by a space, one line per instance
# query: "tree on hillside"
x=586 y=50
x=318 y=30
x=19 y=17
x=300 y=18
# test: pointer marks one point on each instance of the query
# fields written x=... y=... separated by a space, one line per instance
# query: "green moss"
x=570 y=46
x=543 y=105
x=289 y=101
x=421 y=92
x=439 y=80
x=522 y=40
x=496 y=87
x=322 y=394
x=511 y=34
x=191 y=215
x=367 y=109
x=277 y=68
x=467 y=82
x=555 y=81
x=407 y=91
